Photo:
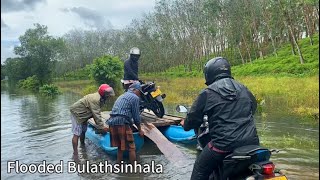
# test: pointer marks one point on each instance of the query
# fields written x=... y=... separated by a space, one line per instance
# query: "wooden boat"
x=104 y=142
x=176 y=133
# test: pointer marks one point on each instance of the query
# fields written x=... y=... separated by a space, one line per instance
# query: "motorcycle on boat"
x=151 y=98
x=251 y=162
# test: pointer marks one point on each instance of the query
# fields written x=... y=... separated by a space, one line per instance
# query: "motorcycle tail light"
x=268 y=169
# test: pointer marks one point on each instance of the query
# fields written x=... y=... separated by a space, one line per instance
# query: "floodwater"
x=35 y=129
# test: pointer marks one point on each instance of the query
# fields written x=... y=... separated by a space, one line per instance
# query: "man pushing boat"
x=87 y=107
x=124 y=110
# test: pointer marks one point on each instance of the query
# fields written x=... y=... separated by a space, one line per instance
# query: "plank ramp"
x=148 y=125
x=170 y=151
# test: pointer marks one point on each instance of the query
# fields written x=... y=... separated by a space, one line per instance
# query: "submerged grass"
x=295 y=95
x=81 y=87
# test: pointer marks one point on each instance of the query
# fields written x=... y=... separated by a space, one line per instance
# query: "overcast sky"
x=62 y=16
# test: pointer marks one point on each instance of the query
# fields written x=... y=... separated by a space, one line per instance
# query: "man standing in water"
x=124 y=110
x=84 y=109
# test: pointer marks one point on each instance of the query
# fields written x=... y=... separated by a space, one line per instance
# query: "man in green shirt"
x=88 y=107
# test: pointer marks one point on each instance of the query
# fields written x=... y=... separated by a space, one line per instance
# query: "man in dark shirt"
x=131 y=68
x=124 y=110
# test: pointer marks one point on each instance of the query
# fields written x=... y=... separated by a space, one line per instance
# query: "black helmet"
x=215 y=69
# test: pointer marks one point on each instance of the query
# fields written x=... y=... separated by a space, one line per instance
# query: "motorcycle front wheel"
x=158 y=109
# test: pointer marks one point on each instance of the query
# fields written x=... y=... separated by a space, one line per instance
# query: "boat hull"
x=104 y=142
x=176 y=133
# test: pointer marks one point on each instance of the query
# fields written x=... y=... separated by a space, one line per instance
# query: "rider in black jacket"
x=230 y=107
x=131 y=68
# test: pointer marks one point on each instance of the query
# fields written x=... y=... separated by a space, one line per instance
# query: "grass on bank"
x=284 y=64
x=81 y=87
x=292 y=94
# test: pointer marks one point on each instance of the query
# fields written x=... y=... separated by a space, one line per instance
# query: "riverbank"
x=294 y=95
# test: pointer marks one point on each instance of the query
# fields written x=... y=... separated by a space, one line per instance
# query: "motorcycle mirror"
x=181 y=109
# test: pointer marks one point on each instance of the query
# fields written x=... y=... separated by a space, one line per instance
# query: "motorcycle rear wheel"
x=158 y=109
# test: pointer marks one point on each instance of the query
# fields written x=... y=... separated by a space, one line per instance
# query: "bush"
x=49 y=90
x=89 y=89
x=107 y=69
x=79 y=74
x=31 y=83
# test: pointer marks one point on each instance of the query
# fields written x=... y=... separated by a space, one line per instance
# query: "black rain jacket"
x=131 y=69
x=230 y=107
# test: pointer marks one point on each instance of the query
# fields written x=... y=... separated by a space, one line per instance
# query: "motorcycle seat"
x=253 y=152
x=247 y=150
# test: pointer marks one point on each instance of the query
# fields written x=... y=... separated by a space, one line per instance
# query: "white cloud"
x=19 y=15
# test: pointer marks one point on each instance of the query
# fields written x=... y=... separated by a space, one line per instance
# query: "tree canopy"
x=38 y=52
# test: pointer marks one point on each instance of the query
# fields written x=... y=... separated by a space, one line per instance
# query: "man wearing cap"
x=124 y=110
x=88 y=107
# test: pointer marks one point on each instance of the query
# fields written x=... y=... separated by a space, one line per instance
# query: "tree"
x=41 y=49
x=107 y=69
x=17 y=68
x=3 y=71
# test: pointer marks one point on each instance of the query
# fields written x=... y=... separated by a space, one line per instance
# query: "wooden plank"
x=165 y=117
x=166 y=120
x=149 y=117
x=170 y=151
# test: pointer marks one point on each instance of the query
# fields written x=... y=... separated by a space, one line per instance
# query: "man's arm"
x=254 y=101
x=96 y=112
x=136 y=115
x=136 y=112
x=195 y=116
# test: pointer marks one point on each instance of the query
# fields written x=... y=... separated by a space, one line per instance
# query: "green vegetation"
x=285 y=141
x=107 y=69
x=293 y=95
x=280 y=83
x=31 y=83
x=188 y=33
x=79 y=74
x=3 y=71
x=76 y=86
x=16 y=69
x=39 y=52
x=284 y=64
x=290 y=94
x=49 y=90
